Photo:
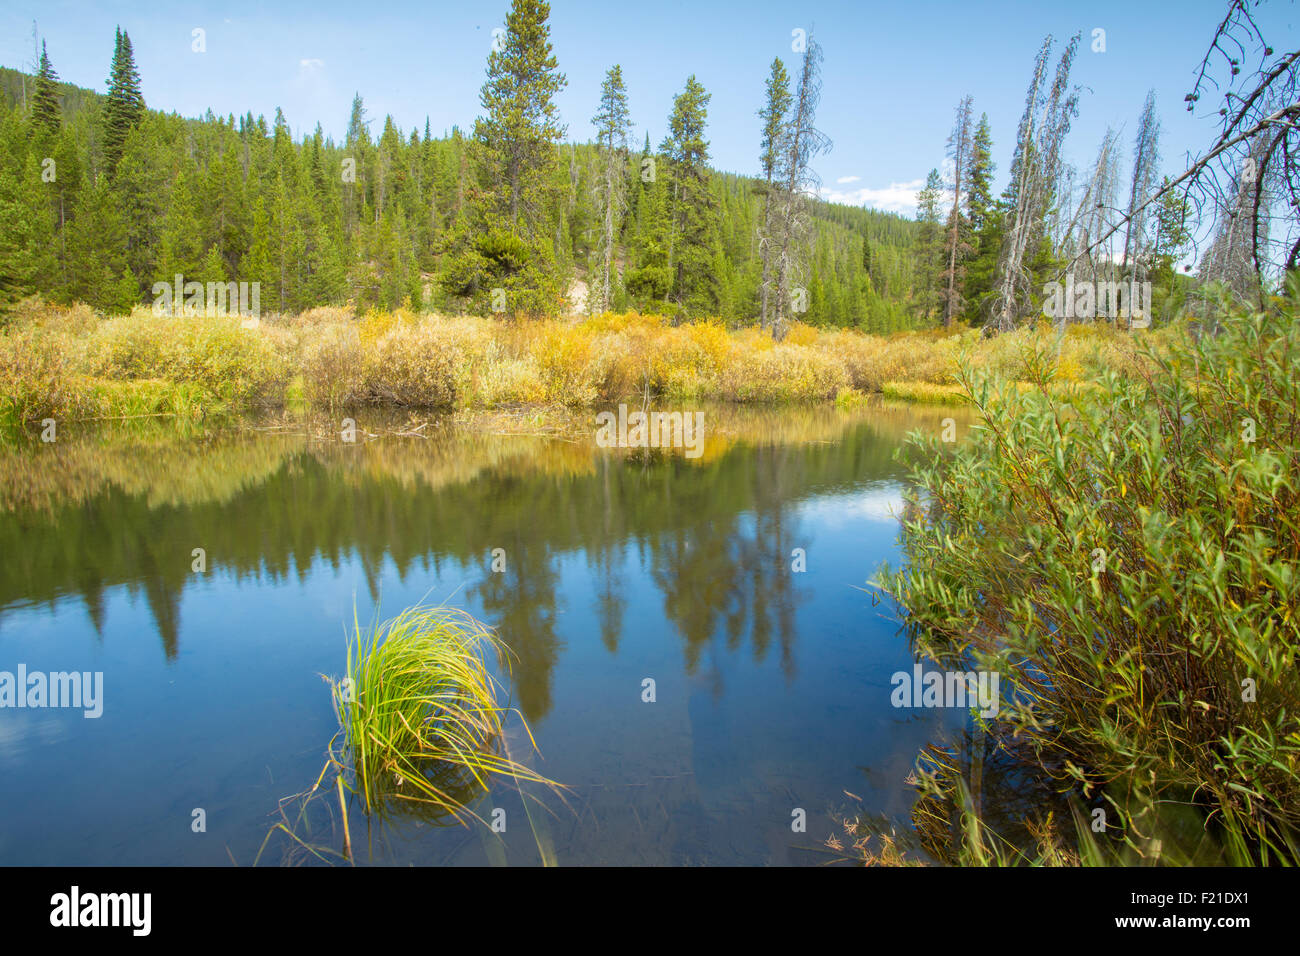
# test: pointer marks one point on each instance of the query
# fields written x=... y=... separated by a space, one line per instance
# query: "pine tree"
x=18 y=266
x=613 y=124
x=929 y=244
x=123 y=106
x=515 y=232
x=258 y=264
x=648 y=279
x=1172 y=234
x=97 y=247
x=979 y=176
x=983 y=212
x=521 y=124
x=355 y=164
x=46 y=114
x=67 y=184
x=140 y=193
x=1171 y=241
x=693 y=236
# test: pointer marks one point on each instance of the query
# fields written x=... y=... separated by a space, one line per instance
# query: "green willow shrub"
x=1126 y=559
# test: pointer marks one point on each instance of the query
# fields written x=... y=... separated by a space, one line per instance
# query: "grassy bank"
x=72 y=363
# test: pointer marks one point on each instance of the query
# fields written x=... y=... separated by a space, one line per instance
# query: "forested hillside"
x=532 y=214
x=388 y=216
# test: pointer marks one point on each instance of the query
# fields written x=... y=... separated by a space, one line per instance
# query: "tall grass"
x=421 y=731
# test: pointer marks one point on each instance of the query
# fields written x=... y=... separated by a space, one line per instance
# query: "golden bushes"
x=57 y=361
x=411 y=365
x=331 y=365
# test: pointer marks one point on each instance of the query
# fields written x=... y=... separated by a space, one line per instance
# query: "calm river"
x=735 y=581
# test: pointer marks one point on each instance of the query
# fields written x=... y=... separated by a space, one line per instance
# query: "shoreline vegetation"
x=1126 y=565
x=72 y=363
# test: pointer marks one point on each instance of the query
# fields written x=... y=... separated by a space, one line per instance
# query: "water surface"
x=772 y=684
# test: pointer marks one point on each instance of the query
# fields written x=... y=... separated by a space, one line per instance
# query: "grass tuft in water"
x=420 y=714
x=421 y=732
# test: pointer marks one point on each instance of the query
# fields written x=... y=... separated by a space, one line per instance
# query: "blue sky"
x=893 y=72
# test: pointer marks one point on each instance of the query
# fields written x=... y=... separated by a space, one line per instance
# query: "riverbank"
x=71 y=363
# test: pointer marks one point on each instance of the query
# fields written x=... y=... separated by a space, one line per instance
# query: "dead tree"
x=1146 y=163
x=959 y=145
x=1035 y=174
x=1241 y=228
x=798 y=181
x=1258 y=139
x=773 y=146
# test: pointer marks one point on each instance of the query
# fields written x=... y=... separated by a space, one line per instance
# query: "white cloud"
x=845 y=180
x=896 y=197
x=311 y=81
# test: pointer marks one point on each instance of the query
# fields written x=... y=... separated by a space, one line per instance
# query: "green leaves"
x=1138 y=666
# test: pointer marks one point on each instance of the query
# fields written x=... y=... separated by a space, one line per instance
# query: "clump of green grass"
x=924 y=393
x=420 y=711
x=420 y=730
x=849 y=398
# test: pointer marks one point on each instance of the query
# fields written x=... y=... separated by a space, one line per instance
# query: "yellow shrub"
x=1069 y=369
x=506 y=381
x=570 y=369
x=615 y=322
x=411 y=366
x=800 y=334
x=712 y=341
x=375 y=324
x=870 y=361
x=783 y=373
x=217 y=353
x=331 y=365
x=753 y=339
